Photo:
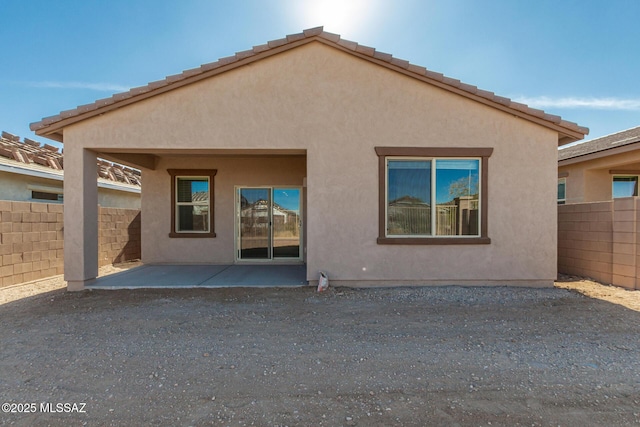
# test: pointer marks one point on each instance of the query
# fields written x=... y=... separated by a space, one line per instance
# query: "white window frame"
x=563 y=181
x=613 y=178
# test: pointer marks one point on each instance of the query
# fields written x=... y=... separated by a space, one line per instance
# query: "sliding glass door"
x=269 y=223
x=285 y=214
x=255 y=219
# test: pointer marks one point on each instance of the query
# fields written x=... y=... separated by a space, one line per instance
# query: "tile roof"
x=200 y=196
x=615 y=140
x=51 y=126
x=31 y=155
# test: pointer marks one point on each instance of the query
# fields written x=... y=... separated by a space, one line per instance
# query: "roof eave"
x=565 y=135
x=54 y=130
x=564 y=139
x=600 y=154
x=52 y=127
x=54 y=134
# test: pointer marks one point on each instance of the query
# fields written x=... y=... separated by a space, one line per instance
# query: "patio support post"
x=80 y=217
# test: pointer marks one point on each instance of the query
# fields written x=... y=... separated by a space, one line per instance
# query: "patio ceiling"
x=146 y=159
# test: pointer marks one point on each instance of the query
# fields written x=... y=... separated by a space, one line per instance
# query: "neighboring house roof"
x=51 y=127
x=200 y=196
x=616 y=143
x=28 y=157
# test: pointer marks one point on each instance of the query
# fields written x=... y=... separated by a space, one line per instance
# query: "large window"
x=625 y=186
x=192 y=202
x=433 y=195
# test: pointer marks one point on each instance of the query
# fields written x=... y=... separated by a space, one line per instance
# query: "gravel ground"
x=566 y=356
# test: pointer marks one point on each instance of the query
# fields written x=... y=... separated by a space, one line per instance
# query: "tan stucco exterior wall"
x=591 y=181
x=158 y=247
x=338 y=108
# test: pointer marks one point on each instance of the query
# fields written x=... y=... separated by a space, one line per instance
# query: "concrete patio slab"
x=204 y=276
x=260 y=276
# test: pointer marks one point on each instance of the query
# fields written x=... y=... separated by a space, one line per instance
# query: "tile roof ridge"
x=617 y=140
x=603 y=137
x=310 y=34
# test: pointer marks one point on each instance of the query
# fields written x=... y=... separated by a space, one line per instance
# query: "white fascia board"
x=59 y=176
x=103 y=183
x=31 y=172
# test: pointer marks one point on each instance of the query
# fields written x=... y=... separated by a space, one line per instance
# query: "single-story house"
x=395 y=174
x=601 y=169
x=31 y=172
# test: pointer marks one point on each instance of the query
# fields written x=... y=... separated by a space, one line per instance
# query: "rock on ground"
x=565 y=356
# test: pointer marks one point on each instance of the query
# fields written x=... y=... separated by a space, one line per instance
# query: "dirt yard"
x=567 y=356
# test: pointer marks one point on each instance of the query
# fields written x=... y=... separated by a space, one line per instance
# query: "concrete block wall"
x=600 y=240
x=585 y=240
x=32 y=239
x=118 y=235
x=625 y=241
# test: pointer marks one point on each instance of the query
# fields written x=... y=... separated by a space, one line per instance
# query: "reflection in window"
x=193 y=204
x=409 y=197
x=414 y=210
x=562 y=191
x=625 y=186
x=457 y=193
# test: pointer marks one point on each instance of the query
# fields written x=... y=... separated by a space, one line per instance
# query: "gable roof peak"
x=52 y=126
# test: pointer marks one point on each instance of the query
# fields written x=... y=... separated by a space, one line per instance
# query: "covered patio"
x=204 y=276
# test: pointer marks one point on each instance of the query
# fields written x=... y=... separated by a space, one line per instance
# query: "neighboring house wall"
x=27 y=166
x=601 y=241
x=589 y=168
x=335 y=109
x=118 y=199
x=591 y=181
x=19 y=188
x=32 y=239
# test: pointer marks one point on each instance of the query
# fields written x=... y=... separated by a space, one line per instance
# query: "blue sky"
x=413 y=179
x=288 y=198
x=577 y=59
